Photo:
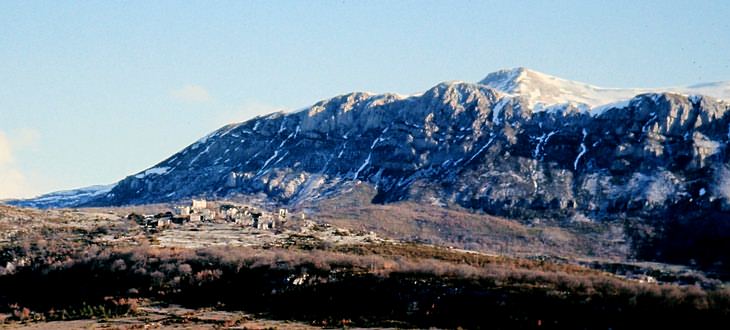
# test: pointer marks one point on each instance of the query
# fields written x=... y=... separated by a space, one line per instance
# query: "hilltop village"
x=202 y=211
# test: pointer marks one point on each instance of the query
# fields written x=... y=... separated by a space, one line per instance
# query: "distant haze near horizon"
x=94 y=92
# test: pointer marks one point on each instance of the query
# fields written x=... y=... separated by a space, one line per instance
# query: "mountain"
x=65 y=198
x=519 y=144
x=440 y=136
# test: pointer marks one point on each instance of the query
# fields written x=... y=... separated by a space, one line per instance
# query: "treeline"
x=403 y=286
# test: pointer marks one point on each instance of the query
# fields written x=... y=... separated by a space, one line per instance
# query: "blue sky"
x=93 y=91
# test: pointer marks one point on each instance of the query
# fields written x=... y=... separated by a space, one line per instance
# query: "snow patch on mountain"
x=153 y=171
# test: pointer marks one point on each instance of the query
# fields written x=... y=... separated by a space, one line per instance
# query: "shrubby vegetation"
x=466 y=229
x=58 y=272
x=388 y=285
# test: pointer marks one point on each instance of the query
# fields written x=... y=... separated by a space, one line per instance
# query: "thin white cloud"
x=24 y=138
x=192 y=94
x=6 y=153
x=13 y=183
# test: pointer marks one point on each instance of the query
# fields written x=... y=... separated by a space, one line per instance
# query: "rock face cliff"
x=519 y=143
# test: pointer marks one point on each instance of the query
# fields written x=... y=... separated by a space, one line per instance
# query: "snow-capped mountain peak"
x=543 y=91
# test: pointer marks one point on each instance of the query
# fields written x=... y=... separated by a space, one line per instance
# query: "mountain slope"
x=65 y=198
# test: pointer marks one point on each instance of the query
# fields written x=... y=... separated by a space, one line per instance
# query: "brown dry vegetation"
x=64 y=272
x=396 y=285
x=465 y=229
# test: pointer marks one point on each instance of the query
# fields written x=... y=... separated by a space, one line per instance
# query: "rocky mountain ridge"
x=473 y=144
x=489 y=146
